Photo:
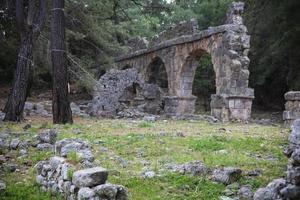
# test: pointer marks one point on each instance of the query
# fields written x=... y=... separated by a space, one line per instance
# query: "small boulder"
x=14 y=143
x=148 y=174
x=245 y=193
x=291 y=192
x=272 y=191
x=85 y=193
x=45 y=147
x=227 y=175
x=90 y=177
x=110 y=191
x=48 y=136
x=55 y=161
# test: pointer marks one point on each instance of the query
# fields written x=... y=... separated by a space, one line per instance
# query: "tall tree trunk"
x=60 y=97
x=29 y=21
x=15 y=104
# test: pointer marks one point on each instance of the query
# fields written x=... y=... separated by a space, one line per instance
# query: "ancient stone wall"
x=292 y=107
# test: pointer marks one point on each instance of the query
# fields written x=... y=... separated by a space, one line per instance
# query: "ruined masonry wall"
x=292 y=107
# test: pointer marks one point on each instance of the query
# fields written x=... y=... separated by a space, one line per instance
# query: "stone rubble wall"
x=59 y=176
x=287 y=188
x=292 y=107
x=113 y=93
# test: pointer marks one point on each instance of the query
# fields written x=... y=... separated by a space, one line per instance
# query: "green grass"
x=134 y=145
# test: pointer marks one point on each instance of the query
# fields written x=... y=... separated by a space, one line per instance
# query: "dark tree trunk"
x=16 y=100
x=29 y=22
x=60 y=103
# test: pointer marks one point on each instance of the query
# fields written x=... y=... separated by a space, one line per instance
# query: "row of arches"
x=197 y=77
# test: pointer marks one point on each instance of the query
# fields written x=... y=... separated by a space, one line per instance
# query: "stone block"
x=90 y=177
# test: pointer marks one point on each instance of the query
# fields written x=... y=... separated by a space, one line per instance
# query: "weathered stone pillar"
x=292 y=107
x=233 y=98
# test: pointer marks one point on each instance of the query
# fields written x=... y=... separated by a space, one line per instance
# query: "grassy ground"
x=128 y=147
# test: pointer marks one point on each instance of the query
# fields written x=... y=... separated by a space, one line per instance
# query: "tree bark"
x=29 y=22
x=60 y=97
x=16 y=100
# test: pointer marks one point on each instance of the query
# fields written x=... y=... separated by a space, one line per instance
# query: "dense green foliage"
x=98 y=31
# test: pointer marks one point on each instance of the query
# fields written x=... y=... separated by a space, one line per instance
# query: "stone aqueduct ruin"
x=179 y=49
x=164 y=69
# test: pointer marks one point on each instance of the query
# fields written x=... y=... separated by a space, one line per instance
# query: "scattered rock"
x=149 y=118
x=245 y=193
x=23 y=152
x=9 y=167
x=2 y=185
x=180 y=134
x=148 y=174
x=85 y=193
x=80 y=147
x=272 y=191
x=109 y=191
x=195 y=168
x=48 y=136
x=291 y=192
x=14 y=143
x=227 y=175
x=90 y=177
x=45 y=147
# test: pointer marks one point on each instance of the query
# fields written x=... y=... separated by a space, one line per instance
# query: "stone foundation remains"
x=292 y=107
x=59 y=176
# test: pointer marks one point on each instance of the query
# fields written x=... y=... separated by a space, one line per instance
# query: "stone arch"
x=156 y=73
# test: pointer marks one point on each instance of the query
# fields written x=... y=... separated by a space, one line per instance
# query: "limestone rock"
x=291 y=192
x=227 y=175
x=148 y=174
x=14 y=143
x=48 y=136
x=245 y=193
x=80 y=147
x=195 y=168
x=90 y=177
x=86 y=193
x=45 y=147
x=112 y=192
x=55 y=161
x=272 y=191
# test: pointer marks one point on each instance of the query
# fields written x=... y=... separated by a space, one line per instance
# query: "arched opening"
x=204 y=84
x=156 y=74
x=197 y=78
